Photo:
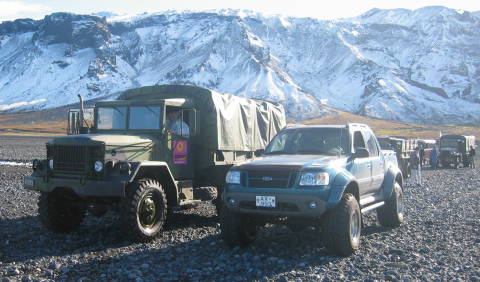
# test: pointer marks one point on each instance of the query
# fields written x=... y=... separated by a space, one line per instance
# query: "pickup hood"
x=294 y=162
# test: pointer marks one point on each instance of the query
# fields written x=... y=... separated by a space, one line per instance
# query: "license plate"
x=28 y=182
x=265 y=201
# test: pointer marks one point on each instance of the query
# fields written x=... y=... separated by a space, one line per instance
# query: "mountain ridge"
x=418 y=65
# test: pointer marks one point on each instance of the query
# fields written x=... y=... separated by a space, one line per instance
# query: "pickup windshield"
x=314 y=141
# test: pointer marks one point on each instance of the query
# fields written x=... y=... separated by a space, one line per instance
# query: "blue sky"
x=13 y=9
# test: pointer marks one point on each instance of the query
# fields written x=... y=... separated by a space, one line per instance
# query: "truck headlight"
x=314 y=179
x=233 y=177
x=50 y=164
x=98 y=166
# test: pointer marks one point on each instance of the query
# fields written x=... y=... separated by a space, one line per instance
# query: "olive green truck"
x=153 y=150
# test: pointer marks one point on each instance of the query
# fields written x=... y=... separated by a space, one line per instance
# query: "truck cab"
x=322 y=176
x=454 y=150
x=153 y=150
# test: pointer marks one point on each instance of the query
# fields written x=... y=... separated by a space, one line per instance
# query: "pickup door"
x=377 y=162
x=361 y=167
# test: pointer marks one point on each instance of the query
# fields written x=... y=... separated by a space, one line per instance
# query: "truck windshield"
x=449 y=143
x=112 y=118
x=318 y=141
x=144 y=117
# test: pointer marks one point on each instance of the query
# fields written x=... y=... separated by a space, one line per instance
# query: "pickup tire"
x=392 y=213
x=342 y=227
x=61 y=211
x=237 y=230
x=144 y=210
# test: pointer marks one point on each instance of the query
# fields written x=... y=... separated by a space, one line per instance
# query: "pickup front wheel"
x=342 y=227
x=391 y=214
x=237 y=230
x=144 y=210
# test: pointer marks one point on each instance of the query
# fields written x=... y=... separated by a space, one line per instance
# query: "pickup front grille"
x=74 y=158
x=270 y=179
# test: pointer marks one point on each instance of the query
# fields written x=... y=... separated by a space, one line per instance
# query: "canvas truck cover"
x=225 y=122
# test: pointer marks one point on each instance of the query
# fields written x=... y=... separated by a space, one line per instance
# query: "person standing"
x=416 y=166
x=471 y=155
x=434 y=158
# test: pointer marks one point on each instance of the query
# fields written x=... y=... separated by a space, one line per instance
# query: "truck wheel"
x=144 y=210
x=61 y=211
x=205 y=193
x=342 y=227
x=237 y=230
x=391 y=214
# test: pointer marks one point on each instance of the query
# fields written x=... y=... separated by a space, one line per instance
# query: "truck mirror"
x=361 y=153
x=259 y=152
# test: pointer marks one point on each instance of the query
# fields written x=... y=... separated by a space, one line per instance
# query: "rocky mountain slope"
x=421 y=65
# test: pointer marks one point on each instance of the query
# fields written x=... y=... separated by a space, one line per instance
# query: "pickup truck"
x=321 y=176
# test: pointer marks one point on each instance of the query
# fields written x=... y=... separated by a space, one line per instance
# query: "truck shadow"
x=25 y=238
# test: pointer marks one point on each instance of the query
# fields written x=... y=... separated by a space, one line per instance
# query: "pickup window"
x=322 y=141
x=371 y=143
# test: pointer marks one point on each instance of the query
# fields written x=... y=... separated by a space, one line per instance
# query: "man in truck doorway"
x=175 y=123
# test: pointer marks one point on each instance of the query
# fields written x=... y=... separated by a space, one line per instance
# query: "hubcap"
x=400 y=206
x=355 y=226
x=147 y=211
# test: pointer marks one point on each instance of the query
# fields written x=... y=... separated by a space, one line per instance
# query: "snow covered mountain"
x=421 y=65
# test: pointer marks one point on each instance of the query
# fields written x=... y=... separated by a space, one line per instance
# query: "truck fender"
x=393 y=174
x=160 y=172
x=340 y=183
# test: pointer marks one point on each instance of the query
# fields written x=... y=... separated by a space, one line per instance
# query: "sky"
x=37 y=9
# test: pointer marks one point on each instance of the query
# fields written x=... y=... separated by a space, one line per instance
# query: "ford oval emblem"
x=267 y=178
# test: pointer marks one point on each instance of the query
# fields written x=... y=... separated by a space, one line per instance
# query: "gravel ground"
x=440 y=240
x=22 y=149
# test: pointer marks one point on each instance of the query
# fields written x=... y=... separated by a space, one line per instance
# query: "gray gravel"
x=440 y=240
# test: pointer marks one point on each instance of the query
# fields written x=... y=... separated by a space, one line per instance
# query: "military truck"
x=133 y=161
x=454 y=150
x=403 y=148
x=321 y=176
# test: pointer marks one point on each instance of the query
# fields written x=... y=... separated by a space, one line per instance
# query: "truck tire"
x=144 y=210
x=236 y=230
x=205 y=193
x=342 y=227
x=392 y=213
x=61 y=211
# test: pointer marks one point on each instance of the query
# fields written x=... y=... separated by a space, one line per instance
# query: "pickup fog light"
x=98 y=166
x=50 y=164
x=314 y=179
x=233 y=177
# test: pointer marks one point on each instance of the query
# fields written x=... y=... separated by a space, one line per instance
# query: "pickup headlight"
x=314 y=179
x=233 y=177
x=98 y=166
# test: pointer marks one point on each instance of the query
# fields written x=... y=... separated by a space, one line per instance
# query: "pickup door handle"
x=369 y=165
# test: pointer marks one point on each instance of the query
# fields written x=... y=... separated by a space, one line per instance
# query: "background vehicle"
x=454 y=150
x=321 y=176
x=131 y=160
x=427 y=145
x=403 y=148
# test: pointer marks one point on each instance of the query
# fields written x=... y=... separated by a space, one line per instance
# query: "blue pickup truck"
x=321 y=176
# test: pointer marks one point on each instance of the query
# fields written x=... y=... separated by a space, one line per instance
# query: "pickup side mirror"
x=361 y=153
x=259 y=152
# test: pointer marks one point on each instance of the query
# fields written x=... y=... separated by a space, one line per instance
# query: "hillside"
x=415 y=66
x=53 y=122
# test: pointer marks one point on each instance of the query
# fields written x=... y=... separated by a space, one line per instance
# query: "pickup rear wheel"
x=237 y=230
x=144 y=210
x=392 y=213
x=342 y=227
x=61 y=211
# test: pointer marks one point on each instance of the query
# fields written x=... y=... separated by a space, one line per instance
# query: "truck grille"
x=270 y=179
x=72 y=158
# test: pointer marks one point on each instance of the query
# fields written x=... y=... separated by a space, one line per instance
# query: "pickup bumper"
x=88 y=188
x=309 y=202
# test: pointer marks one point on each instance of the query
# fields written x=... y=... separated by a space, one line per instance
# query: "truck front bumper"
x=308 y=202
x=83 y=188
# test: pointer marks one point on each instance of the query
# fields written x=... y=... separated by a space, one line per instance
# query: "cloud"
x=11 y=10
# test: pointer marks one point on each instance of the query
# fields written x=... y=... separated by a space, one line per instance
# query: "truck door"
x=377 y=162
x=180 y=127
x=361 y=168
